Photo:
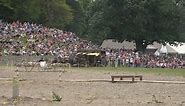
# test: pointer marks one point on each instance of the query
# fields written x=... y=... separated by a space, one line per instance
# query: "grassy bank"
x=167 y=71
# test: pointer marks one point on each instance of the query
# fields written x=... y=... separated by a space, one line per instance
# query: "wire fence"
x=12 y=59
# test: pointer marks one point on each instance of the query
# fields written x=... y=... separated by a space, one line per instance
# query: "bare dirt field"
x=76 y=89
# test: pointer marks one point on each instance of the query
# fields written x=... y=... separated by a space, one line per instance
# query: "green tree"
x=96 y=24
x=25 y=10
x=142 y=21
x=87 y=18
x=6 y=10
x=76 y=24
x=54 y=13
x=80 y=22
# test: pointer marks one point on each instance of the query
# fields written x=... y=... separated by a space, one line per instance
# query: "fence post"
x=60 y=74
x=15 y=88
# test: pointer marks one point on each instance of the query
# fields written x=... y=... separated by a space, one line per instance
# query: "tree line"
x=141 y=21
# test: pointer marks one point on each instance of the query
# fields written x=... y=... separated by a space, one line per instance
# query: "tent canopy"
x=110 y=43
x=93 y=54
x=179 y=48
x=168 y=49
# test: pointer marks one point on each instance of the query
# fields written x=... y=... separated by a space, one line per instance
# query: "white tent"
x=110 y=43
x=155 y=45
x=151 y=47
x=129 y=45
x=163 y=49
x=179 y=48
x=157 y=53
x=167 y=50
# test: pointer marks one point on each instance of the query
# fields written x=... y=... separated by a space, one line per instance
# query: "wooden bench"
x=127 y=76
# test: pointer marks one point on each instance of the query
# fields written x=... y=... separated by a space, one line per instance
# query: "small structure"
x=90 y=58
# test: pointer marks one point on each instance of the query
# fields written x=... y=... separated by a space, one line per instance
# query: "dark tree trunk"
x=141 y=45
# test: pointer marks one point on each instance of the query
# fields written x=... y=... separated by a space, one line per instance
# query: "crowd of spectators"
x=33 y=39
x=129 y=58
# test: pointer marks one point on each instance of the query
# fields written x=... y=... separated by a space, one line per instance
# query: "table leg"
x=133 y=79
x=112 y=79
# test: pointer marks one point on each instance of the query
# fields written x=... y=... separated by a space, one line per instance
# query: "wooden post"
x=60 y=74
x=17 y=72
x=121 y=78
x=141 y=78
x=15 y=88
x=133 y=77
x=69 y=66
x=112 y=79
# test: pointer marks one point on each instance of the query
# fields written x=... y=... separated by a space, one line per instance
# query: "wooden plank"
x=127 y=76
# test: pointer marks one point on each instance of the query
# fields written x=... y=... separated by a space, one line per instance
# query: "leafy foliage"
x=141 y=21
x=6 y=9
x=56 y=97
x=54 y=13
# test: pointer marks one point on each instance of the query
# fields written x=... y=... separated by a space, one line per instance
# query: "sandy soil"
x=37 y=89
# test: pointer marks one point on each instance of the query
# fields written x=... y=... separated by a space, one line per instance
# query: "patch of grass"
x=167 y=71
x=56 y=97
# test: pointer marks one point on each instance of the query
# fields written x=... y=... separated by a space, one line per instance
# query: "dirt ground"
x=75 y=90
